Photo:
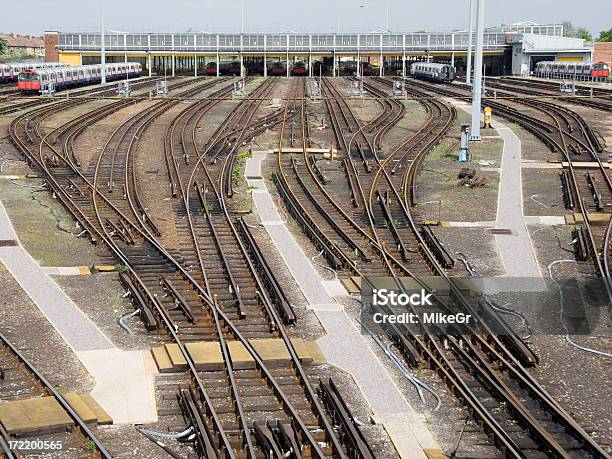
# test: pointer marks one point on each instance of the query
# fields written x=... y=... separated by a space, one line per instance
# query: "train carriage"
x=366 y=69
x=595 y=71
x=39 y=80
x=10 y=72
x=276 y=69
x=441 y=73
x=299 y=69
x=211 y=69
x=4 y=73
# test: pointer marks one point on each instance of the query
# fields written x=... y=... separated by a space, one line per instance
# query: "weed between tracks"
x=237 y=173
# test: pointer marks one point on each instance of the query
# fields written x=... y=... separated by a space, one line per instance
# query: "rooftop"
x=23 y=41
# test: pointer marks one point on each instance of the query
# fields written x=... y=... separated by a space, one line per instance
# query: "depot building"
x=509 y=49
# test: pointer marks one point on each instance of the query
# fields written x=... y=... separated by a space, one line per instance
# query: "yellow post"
x=488 y=117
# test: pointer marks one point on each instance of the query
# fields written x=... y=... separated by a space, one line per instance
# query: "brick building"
x=602 y=52
x=25 y=43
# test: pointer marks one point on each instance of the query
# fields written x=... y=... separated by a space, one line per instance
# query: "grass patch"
x=239 y=165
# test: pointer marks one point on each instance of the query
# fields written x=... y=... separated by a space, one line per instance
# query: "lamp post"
x=477 y=83
x=387 y=18
x=242 y=17
x=468 y=71
x=102 y=48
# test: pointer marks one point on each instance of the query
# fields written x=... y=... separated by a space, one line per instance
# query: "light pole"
x=387 y=18
x=242 y=17
x=102 y=48
x=468 y=71
x=477 y=83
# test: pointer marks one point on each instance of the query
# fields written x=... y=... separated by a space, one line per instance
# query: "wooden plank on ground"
x=103 y=417
x=34 y=416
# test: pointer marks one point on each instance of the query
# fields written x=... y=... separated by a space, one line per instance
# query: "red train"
x=277 y=69
x=211 y=69
x=577 y=70
x=66 y=77
x=299 y=69
x=366 y=69
x=232 y=68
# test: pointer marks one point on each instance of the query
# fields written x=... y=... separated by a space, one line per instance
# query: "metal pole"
x=102 y=47
x=242 y=18
x=468 y=70
x=477 y=84
x=387 y=18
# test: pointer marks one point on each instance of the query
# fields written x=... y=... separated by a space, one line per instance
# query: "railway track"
x=41 y=100
x=223 y=258
x=235 y=411
x=582 y=90
x=601 y=100
x=20 y=380
x=478 y=368
x=585 y=180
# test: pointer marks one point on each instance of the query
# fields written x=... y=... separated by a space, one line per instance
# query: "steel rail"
x=520 y=373
x=100 y=449
x=278 y=324
x=74 y=208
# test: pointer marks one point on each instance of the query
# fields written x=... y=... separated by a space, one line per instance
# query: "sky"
x=289 y=15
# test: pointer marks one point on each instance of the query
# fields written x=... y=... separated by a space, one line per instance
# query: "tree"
x=605 y=35
x=576 y=32
x=568 y=29
x=583 y=33
x=3 y=45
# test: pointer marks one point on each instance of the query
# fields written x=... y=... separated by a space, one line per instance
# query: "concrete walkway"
x=344 y=345
x=124 y=379
x=516 y=250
